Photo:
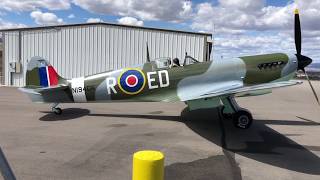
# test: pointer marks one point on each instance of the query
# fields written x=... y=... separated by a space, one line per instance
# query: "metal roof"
x=100 y=23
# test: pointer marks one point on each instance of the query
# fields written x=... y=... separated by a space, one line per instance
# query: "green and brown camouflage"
x=158 y=81
x=263 y=74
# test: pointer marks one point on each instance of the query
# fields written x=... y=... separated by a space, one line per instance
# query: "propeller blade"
x=297 y=31
x=148 y=56
x=314 y=92
x=303 y=61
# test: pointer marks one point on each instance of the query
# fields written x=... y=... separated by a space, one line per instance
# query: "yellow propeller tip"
x=296 y=11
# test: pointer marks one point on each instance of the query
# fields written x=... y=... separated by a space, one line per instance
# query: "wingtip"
x=296 y=11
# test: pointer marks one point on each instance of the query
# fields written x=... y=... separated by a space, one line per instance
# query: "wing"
x=237 y=90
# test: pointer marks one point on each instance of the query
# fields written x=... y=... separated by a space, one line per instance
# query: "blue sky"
x=82 y=15
x=241 y=27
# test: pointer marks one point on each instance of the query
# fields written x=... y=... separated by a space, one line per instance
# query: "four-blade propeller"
x=303 y=61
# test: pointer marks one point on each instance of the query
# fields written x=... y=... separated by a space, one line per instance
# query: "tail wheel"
x=57 y=111
x=242 y=119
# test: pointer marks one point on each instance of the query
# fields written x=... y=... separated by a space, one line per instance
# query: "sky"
x=239 y=27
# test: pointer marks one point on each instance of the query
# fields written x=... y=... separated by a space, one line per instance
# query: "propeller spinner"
x=303 y=61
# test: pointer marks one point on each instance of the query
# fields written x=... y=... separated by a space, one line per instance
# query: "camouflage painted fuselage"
x=149 y=83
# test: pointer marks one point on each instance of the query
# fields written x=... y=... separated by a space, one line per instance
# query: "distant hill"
x=314 y=67
x=313 y=71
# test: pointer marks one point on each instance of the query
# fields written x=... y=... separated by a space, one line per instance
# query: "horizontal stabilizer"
x=53 y=94
x=29 y=91
x=40 y=90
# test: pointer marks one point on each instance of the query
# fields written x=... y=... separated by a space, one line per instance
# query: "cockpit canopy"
x=167 y=62
x=163 y=62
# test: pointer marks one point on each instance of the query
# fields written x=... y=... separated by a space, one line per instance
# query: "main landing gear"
x=241 y=117
x=56 y=110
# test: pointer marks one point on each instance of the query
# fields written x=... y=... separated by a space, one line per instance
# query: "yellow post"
x=148 y=165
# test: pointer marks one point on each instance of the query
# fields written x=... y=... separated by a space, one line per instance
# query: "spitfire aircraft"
x=198 y=84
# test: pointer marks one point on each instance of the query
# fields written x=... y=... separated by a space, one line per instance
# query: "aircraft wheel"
x=242 y=119
x=57 y=111
x=225 y=115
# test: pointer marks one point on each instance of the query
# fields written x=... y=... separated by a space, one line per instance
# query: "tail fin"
x=41 y=74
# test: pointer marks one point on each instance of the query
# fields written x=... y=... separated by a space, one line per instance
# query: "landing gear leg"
x=241 y=117
x=56 y=110
x=224 y=114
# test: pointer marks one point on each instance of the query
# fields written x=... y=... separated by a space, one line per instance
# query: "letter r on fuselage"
x=111 y=83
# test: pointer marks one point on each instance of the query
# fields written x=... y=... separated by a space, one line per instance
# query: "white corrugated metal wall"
x=84 y=50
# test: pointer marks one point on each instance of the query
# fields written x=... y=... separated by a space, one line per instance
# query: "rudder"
x=41 y=74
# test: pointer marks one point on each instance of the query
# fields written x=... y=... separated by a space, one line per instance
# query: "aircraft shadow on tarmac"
x=260 y=142
x=68 y=114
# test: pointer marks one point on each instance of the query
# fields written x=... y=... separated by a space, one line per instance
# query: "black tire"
x=57 y=111
x=225 y=115
x=242 y=119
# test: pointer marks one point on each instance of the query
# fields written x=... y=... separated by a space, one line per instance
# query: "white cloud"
x=224 y=18
x=263 y=43
x=71 y=16
x=310 y=14
x=245 y=5
x=9 y=25
x=130 y=21
x=187 y=10
x=250 y=27
x=45 y=18
x=241 y=15
x=246 y=44
x=30 y=5
x=94 y=20
x=167 y=10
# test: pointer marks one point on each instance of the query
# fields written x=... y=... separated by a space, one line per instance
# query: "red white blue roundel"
x=132 y=81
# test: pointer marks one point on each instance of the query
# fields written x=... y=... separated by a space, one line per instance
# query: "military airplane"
x=198 y=84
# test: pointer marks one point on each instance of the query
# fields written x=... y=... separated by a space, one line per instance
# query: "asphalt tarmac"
x=96 y=141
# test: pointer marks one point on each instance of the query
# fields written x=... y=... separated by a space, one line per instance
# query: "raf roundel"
x=132 y=81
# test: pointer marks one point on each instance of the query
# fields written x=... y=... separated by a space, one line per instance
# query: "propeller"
x=303 y=61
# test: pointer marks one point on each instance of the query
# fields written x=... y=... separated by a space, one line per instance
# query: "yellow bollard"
x=148 y=165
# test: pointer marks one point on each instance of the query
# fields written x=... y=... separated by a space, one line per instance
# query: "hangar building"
x=83 y=49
